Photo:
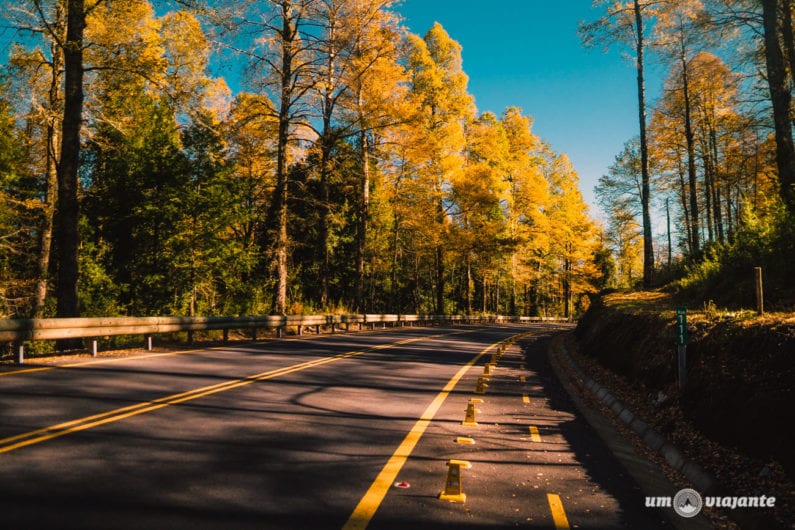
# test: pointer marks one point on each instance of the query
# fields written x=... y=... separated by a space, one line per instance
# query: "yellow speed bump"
x=465 y=440
x=453 y=491
x=469 y=419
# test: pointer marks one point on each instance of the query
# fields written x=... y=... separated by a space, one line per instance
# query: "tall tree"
x=780 y=96
x=287 y=73
x=378 y=91
x=439 y=85
x=677 y=30
x=68 y=213
x=626 y=22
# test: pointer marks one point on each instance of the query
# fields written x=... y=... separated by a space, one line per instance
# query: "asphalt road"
x=333 y=431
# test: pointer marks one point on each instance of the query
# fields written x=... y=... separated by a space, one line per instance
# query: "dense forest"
x=353 y=173
x=350 y=170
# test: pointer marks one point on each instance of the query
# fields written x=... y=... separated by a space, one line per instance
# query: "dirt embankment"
x=741 y=370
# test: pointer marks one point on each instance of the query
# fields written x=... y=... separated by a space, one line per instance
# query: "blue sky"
x=527 y=53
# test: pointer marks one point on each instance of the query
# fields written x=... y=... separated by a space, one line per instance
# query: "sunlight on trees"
x=349 y=169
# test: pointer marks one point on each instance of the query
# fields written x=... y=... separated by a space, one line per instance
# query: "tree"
x=528 y=196
x=780 y=96
x=626 y=23
x=619 y=194
x=13 y=227
x=68 y=211
x=574 y=236
x=439 y=86
x=41 y=70
x=676 y=29
x=288 y=68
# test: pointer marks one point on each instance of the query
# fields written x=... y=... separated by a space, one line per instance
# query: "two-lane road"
x=303 y=433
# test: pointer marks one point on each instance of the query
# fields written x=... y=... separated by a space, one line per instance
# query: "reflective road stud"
x=481 y=386
x=469 y=420
x=453 y=491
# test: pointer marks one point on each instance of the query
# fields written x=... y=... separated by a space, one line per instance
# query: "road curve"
x=335 y=431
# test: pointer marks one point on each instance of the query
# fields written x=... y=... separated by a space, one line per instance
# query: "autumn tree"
x=528 y=195
x=626 y=22
x=13 y=227
x=574 y=236
x=439 y=88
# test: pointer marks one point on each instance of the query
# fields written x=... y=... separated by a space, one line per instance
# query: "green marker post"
x=681 y=344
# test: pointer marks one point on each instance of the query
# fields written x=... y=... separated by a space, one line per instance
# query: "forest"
x=352 y=174
x=714 y=159
x=350 y=170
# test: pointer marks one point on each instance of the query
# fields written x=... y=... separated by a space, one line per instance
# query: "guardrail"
x=20 y=331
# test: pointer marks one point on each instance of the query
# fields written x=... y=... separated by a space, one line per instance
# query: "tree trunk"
x=53 y=141
x=468 y=293
x=670 y=242
x=364 y=213
x=780 y=97
x=325 y=212
x=288 y=37
x=440 y=279
x=648 y=243
x=787 y=36
x=691 y=152
x=67 y=213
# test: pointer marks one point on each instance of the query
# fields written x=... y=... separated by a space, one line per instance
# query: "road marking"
x=525 y=398
x=558 y=514
x=12 y=443
x=26 y=371
x=374 y=496
x=106 y=361
x=136 y=357
x=535 y=436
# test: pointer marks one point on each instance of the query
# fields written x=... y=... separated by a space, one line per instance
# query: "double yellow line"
x=19 y=441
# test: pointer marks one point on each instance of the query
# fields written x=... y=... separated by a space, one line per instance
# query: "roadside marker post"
x=487 y=368
x=481 y=386
x=681 y=344
x=453 y=491
x=469 y=419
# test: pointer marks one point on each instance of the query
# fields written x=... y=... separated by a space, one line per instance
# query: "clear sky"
x=527 y=53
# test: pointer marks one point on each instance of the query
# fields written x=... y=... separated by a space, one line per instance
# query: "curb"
x=703 y=481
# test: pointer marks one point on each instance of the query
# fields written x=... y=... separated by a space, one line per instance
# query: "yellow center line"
x=137 y=357
x=558 y=514
x=26 y=371
x=62 y=429
x=374 y=496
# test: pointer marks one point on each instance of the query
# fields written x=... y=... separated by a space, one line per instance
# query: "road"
x=331 y=431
